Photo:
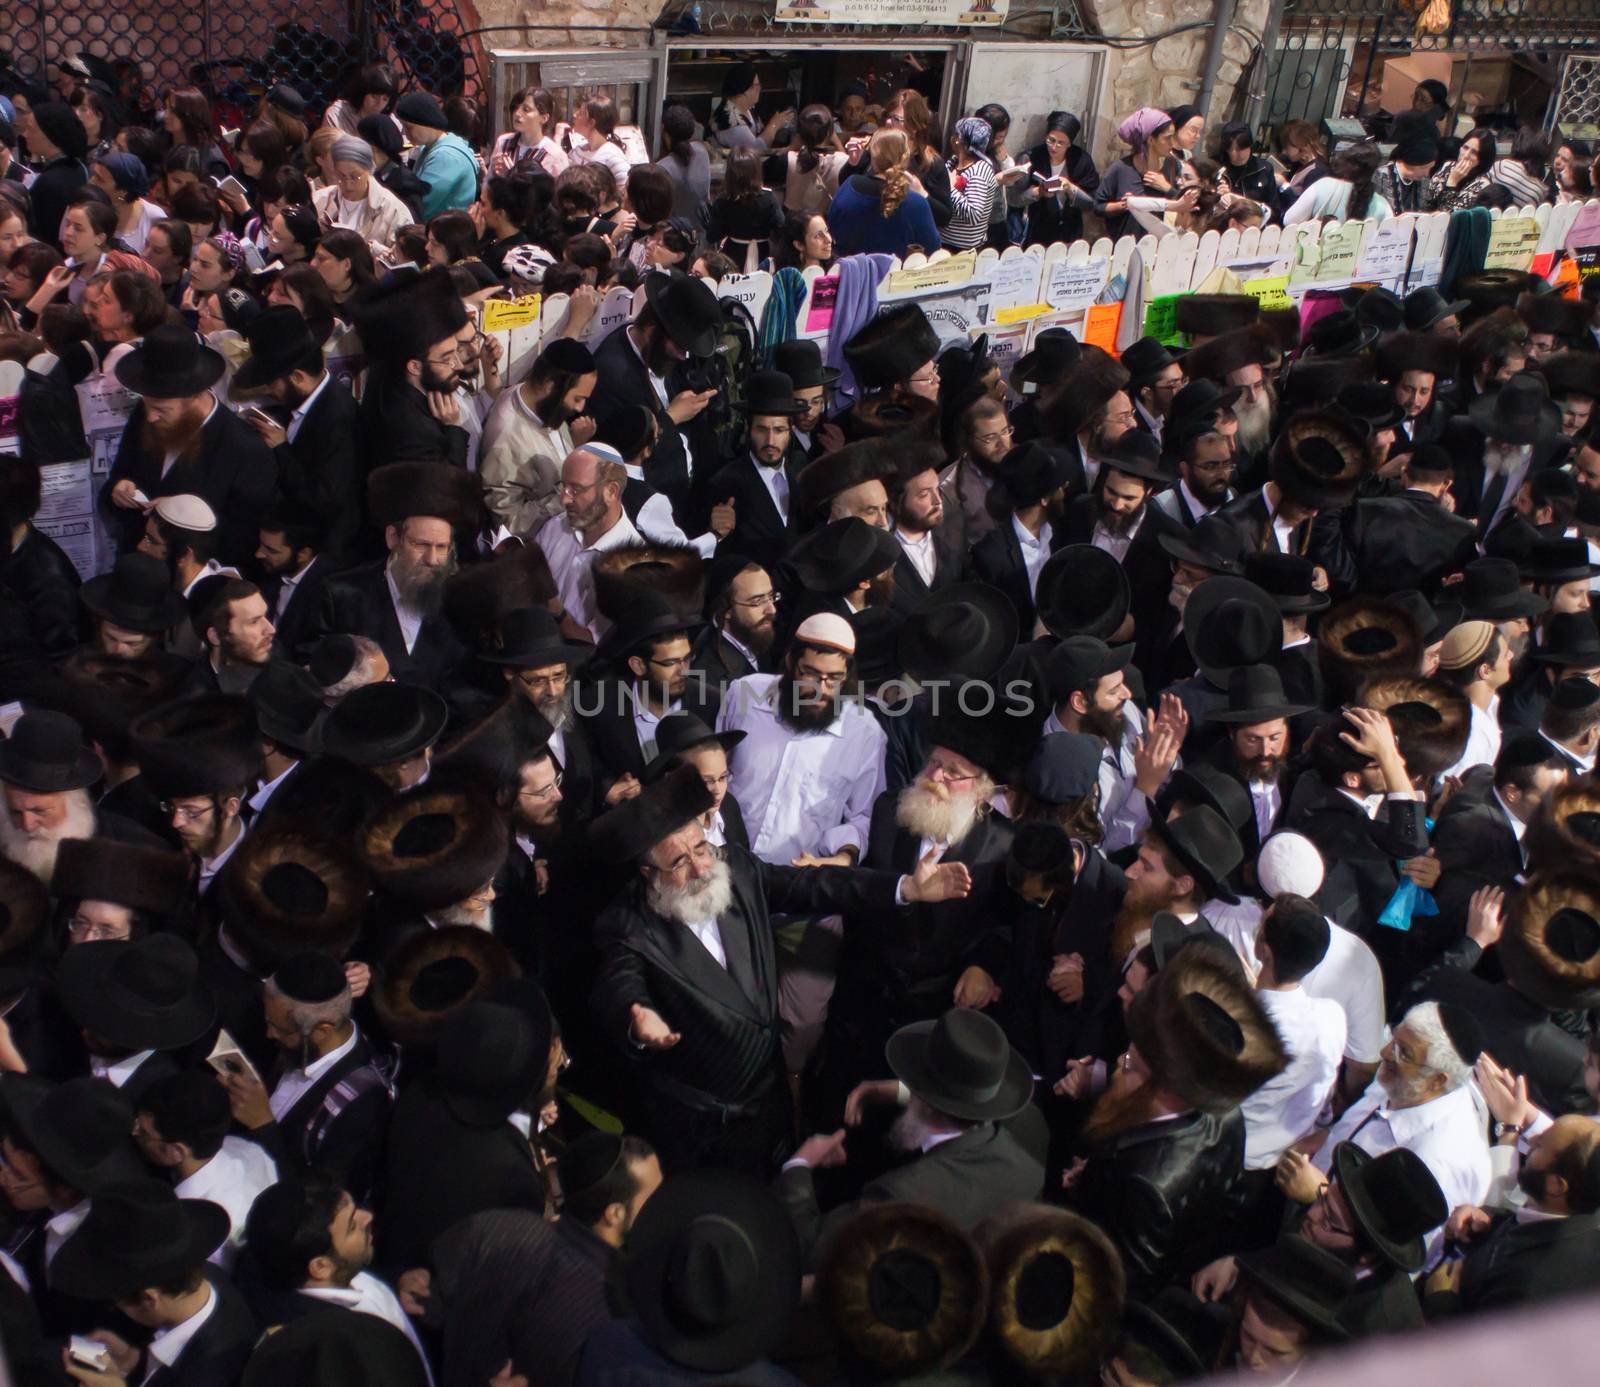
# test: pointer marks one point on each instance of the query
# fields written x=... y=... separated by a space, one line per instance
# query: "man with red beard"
x=1256 y=748
x=1163 y=1150
x=1182 y=863
x=927 y=564
x=237 y=632
x=935 y=956
x=181 y=438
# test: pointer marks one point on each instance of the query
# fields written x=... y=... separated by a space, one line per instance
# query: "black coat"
x=719 y=661
x=41 y=580
x=1405 y=541
x=232 y=470
x=358 y=603
x=1147 y=564
x=395 y=425
x=997 y=560
x=1163 y=1191
x=298 y=624
x=759 y=532
x=1524 y=1263
x=623 y=380
x=57 y=184
x=1383 y=1303
x=1476 y=847
x=216 y=1355
x=611 y=730
x=1048 y=219
x=910 y=592
x=318 y=470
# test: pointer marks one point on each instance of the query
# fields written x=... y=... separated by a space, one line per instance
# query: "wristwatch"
x=1503 y=1129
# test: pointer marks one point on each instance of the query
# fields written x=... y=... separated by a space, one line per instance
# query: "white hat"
x=827 y=630
x=186 y=512
x=1289 y=865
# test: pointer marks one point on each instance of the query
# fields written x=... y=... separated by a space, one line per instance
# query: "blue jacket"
x=450 y=170
x=858 y=224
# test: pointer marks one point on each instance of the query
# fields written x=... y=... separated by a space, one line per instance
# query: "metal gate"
x=234 y=49
x=1577 y=100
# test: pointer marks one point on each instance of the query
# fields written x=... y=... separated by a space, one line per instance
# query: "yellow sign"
x=946 y=274
x=1022 y=313
x=1270 y=291
x=502 y=315
x=1512 y=242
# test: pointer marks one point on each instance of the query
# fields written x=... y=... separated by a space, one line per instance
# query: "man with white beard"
x=1236 y=362
x=1522 y=433
x=697 y=1017
x=46 y=771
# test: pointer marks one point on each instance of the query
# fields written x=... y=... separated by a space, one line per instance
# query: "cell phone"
x=89 y=1353
x=140 y=497
x=255 y=412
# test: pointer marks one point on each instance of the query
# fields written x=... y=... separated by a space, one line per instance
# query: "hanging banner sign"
x=977 y=13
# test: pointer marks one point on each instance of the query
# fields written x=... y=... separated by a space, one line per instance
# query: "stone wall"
x=580 y=23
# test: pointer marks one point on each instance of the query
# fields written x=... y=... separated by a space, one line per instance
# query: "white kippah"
x=604 y=451
x=1289 y=865
x=826 y=629
x=187 y=512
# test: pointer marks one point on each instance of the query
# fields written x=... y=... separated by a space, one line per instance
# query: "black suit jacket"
x=759 y=532
x=997 y=560
x=40 y=579
x=1521 y=1263
x=1405 y=541
x=610 y=727
x=719 y=661
x=623 y=380
x=216 y=1356
x=297 y=626
x=1476 y=847
x=910 y=592
x=358 y=603
x=232 y=469
x=318 y=469
x=395 y=425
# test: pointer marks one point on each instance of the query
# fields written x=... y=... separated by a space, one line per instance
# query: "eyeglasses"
x=1122 y=416
x=678 y=662
x=89 y=931
x=183 y=813
x=995 y=437
x=545 y=793
x=923 y=378
x=450 y=358
x=543 y=681
x=937 y=770
x=1323 y=1202
x=572 y=489
x=763 y=599
x=828 y=681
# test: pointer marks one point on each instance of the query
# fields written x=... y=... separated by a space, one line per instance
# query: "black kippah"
x=569 y=355
x=310 y=978
x=1466 y=1035
x=588 y=1161
x=332 y=659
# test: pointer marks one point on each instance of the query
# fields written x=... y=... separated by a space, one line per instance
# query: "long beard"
x=556 y=711
x=1255 y=423
x=37 y=851
x=758 y=638
x=1265 y=770
x=1106 y=723
x=420 y=586
x=694 y=902
x=1119 y=524
x=463 y=914
x=182 y=437
x=931 y=811
x=880 y=591
x=908 y=1131
x=1117 y=1110
x=810 y=716
x=1503 y=459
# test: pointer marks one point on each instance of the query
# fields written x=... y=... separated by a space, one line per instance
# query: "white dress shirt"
x=1349 y=975
x=571 y=557
x=656 y=520
x=117 y=1071
x=305 y=406
x=232 y=1178
x=59 y=1227
x=919 y=549
x=368 y=1295
x=716 y=831
x=801 y=792
x=1446 y=1133
x=1483 y=738
x=268 y=788
x=295 y=1082
x=286 y=589
x=1282 y=530
x=1285 y=1108
x=409 y=617
x=646 y=720
x=167 y=1345
x=1124 y=812
x=1035 y=552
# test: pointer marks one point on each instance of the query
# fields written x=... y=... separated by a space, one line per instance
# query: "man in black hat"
x=977 y=437
x=1154 y=378
x=1315 y=465
x=295 y=561
x=144 y=1250
x=1416 y=365
x=812 y=384
x=760 y=478
x=644 y=365
x=1030 y=492
x=1413 y=539
x=1238 y=361
x=699 y=1016
x=288 y=706
x=1428 y=311
x=1569 y=648
x=1205 y=463
x=311 y=1246
x=977 y=1145
x=1571 y=724
x=1093 y=411
x=46 y=771
x=893 y=360
x=1255 y=747
x=315 y=445
x=410 y=410
x=1115 y=515
x=1288 y=1306
x=927 y=563
x=132 y=607
x=329 y=1103
x=741 y=622
x=1523 y=435
x=684 y=739
x=395 y=601
x=845 y=566
x=389 y=729
x=181 y=438
x=530 y=431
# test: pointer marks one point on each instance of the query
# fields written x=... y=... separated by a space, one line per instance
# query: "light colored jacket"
x=380 y=219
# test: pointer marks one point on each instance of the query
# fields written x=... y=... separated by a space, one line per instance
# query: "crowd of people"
x=720 y=861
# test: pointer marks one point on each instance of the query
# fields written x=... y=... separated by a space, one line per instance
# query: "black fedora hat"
x=891 y=347
x=1054 y=352
x=45 y=753
x=1174 y=1332
x=137 y=1236
x=1394 y=1201
x=531 y=638
x=1137 y=454
x=1229 y=622
x=338 y=1347
x=1078 y=661
x=961 y=1064
x=1571 y=640
x=280 y=342
x=1203 y=784
x=1492 y=591
x=139 y=994
x=971 y=722
x=682 y=731
x=628 y=831
x=430 y=975
x=1378 y=307
x=1215 y=547
x=494 y=1056
x=1288 y=580
x=82 y=1129
x=801 y=360
x=136 y=595
x=1434 y=620
x=1551 y=946
x=1082 y=591
x=905 y=1288
x=964 y=631
x=769 y=392
x=843 y=554
x=205 y=745
x=645 y=616
x=1030 y=472
x=433 y=845
x=1425 y=307
x=1207 y=845
x=380 y=724
x=292 y=888
x=1255 y=694
x=1371 y=404
x=169 y=364
x=1145 y=359
x=1554 y=561
x=1312 y=1285
x=713 y=1270
x=686 y=309
x=1339 y=333
x=288 y=706
x=877 y=644
x=1201 y=401
x=1520 y=411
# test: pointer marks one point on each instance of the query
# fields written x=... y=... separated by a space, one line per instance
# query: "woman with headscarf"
x=1061 y=182
x=1148 y=134
x=355 y=200
x=1188 y=128
x=971 y=185
x=734 y=124
x=1243 y=170
x=123 y=179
